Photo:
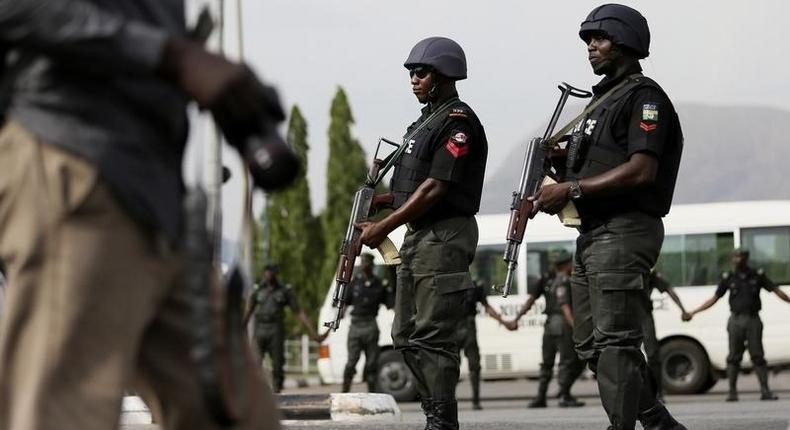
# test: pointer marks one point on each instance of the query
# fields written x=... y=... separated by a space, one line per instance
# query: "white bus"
x=697 y=246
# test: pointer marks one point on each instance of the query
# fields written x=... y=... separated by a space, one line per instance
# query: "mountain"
x=730 y=154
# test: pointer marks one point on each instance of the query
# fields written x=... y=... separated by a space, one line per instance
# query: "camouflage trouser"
x=270 y=339
x=652 y=351
x=363 y=335
x=429 y=303
x=610 y=273
x=467 y=337
x=558 y=338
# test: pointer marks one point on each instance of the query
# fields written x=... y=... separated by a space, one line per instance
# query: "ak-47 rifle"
x=366 y=202
x=536 y=170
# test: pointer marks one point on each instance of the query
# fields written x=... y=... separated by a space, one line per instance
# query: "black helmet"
x=624 y=26
x=441 y=53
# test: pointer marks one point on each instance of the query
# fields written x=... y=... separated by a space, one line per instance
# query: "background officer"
x=267 y=303
x=652 y=349
x=621 y=175
x=744 y=326
x=467 y=333
x=557 y=331
x=436 y=188
x=365 y=295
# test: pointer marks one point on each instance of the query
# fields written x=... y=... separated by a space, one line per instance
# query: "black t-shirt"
x=366 y=295
x=473 y=297
x=270 y=302
x=744 y=288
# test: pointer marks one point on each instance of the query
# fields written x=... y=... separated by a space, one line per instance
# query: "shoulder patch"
x=649 y=120
x=457 y=144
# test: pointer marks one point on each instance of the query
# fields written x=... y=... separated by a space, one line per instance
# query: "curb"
x=348 y=407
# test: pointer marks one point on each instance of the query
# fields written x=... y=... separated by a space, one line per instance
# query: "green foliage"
x=346 y=170
x=294 y=234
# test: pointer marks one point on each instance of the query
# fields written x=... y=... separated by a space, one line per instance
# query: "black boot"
x=568 y=401
x=427 y=409
x=346 y=385
x=540 y=399
x=445 y=415
x=474 y=378
x=762 y=376
x=659 y=418
x=732 y=378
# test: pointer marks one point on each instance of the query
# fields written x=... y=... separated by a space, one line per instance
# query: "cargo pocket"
x=620 y=301
x=450 y=290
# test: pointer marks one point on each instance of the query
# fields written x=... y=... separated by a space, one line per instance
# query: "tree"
x=294 y=234
x=346 y=170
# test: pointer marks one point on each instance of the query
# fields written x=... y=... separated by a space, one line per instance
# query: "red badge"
x=456 y=145
x=647 y=127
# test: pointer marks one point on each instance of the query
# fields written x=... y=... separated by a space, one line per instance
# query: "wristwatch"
x=574 y=191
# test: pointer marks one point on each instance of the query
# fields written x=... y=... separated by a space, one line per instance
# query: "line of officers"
x=368 y=292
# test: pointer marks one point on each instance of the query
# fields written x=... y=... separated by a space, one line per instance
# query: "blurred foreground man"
x=745 y=328
x=436 y=191
x=91 y=211
x=621 y=170
x=557 y=332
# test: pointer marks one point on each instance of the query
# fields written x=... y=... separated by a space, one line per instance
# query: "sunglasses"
x=420 y=72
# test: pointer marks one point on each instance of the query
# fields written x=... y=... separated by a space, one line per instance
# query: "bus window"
x=695 y=259
x=489 y=268
x=769 y=248
x=538 y=259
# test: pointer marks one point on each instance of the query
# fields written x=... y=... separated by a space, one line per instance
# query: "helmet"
x=559 y=256
x=623 y=25
x=271 y=265
x=743 y=252
x=442 y=54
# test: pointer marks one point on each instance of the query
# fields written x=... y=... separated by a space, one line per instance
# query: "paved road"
x=504 y=408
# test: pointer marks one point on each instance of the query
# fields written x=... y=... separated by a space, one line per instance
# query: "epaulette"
x=725 y=275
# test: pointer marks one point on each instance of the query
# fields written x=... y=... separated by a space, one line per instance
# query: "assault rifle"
x=365 y=204
x=536 y=169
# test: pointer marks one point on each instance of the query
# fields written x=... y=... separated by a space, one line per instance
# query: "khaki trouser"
x=93 y=306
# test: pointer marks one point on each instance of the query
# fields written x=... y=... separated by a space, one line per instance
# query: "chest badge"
x=410 y=146
x=589 y=126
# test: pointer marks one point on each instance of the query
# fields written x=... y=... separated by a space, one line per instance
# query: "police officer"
x=267 y=303
x=467 y=334
x=557 y=332
x=621 y=171
x=744 y=325
x=436 y=188
x=366 y=293
x=652 y=350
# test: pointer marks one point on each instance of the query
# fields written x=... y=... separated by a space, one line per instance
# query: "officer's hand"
x=240 y=103
x=686 y=317
x=372 y=233
x=511 y=325
x=550 y=198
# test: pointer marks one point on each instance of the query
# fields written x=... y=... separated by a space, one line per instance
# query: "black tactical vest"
x=366 y=296
x=550 y=293
x=600 y=152
x=415 y=164
x=744 y=292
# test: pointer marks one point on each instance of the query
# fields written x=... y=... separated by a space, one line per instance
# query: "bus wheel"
x=395 y=378
x=685 y=367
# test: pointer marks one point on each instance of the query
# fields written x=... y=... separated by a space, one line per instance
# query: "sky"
x=708 y=52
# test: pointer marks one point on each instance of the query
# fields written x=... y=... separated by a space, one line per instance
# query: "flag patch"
x=649 y=112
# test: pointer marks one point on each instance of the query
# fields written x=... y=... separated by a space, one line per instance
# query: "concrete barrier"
x=134 y=411
x=368 y=407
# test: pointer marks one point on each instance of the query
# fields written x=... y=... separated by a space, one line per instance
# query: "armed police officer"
x=90 y=212
x=267 y=304
x=557 y=331
x=621 y=171
x=436 y=188
x=744 y=326
x=366 y=294
x=467 y=333
x=652 y=348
